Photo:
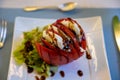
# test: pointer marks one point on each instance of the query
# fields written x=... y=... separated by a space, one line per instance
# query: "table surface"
x=113 y=55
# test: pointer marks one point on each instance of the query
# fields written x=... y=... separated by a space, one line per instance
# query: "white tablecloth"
x=81 y=3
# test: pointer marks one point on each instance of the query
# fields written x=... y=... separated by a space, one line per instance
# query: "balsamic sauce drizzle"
x=62 y=73
x=80 y=73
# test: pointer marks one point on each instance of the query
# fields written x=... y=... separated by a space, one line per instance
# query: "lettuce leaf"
x=27 y=53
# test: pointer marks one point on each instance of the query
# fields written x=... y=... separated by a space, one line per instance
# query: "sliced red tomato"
x=50 y=56
x=47 y=44
x=43 y=52
x=83 y=44
x=72 y=55
x=56 y=56
x=74 y=52
x=59 y=51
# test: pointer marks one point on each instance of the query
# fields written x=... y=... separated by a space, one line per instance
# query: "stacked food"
x=62 y=42
x=56 y=44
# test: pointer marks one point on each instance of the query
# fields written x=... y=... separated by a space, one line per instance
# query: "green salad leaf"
x=17 y=55
x=27 y=53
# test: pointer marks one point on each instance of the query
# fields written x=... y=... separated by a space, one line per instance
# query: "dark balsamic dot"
x=62 y=73
x=80 y=73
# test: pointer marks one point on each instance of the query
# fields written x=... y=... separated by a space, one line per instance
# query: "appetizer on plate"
x=62 y=42
x=56 y=44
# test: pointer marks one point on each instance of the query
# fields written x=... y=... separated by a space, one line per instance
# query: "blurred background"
x=81 y=3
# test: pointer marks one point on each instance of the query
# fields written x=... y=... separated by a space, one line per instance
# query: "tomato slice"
x=73 y=54
x=43 y=53
x=56 y=56
x=50 y=56
x=47 y=44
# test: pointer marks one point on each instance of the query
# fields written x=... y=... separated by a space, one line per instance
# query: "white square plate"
x=94 y=69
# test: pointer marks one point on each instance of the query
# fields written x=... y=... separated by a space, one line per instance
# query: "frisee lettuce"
x=27 y=53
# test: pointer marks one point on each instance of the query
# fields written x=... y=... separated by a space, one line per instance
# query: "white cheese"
x=77 y=29
x=54 y=28
x=66 y=23
x=47 y=36
x=59 y=41
x=53 y=37
x=74 y=27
